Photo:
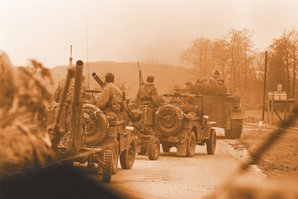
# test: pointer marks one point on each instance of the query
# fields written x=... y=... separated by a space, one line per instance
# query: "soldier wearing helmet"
x=187 y=87
x=214 y=79
x=111 y=98
x=147 y=93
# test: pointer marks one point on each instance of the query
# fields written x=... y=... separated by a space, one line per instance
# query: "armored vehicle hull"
x=227 y=112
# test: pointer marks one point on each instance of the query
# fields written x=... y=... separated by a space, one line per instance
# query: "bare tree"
x=239 y=45
x=198 y=55
x=282 y=68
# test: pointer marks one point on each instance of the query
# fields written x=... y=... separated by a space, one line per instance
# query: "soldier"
x=221 y=82
x=111 y=98
x=187 y=87
x=147 y=94
x=214 y=79
x=24 y=146
x=110 y=101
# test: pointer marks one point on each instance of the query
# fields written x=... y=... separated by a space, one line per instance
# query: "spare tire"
x=95 y=125
x=168 y=120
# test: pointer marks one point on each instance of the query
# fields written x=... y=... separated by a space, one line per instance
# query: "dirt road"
x=178 y=177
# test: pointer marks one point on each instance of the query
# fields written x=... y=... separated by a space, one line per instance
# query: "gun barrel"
x=70 y=74
x=76 y=106
x=98 y=80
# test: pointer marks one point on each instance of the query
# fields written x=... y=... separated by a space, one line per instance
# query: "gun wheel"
x=115 y=158
x=191 y=145
x=107 y=166
x=153 y=148
x=127 y=157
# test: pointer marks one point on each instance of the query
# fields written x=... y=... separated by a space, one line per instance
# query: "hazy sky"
x=154 y=31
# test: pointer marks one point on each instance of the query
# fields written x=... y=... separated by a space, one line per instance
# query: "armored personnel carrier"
x=222 y=107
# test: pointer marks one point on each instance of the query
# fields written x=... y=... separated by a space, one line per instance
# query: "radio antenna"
x=87 y=53
x=70 y=57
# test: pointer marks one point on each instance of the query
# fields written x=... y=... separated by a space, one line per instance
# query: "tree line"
x=242 y=66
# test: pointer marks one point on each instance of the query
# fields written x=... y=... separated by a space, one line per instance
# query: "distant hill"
x=166 y=76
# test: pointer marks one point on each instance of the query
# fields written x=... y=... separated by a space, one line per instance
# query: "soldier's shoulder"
x=111 y=88
x=150 y=85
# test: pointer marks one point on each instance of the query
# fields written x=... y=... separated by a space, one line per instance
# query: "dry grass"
x=282 y=159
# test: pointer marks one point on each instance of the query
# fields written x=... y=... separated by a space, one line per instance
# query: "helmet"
x=216 y=73
x=188 y=83
x=109 y=78
x=150 y=79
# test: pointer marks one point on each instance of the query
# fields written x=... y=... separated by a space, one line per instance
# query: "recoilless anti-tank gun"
x=93 y=137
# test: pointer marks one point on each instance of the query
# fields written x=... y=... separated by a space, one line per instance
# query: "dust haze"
x=147 y=31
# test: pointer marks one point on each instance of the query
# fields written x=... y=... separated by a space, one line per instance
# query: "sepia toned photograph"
x=145 y=99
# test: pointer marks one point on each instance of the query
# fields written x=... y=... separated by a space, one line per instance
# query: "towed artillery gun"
x=182 y=124
x=148 y=142
x=94 y=138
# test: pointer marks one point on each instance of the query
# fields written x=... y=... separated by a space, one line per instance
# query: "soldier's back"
x=145 y=91
x=116 y=94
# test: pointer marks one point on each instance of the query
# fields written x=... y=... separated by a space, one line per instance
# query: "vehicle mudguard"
x=126 y=134
x=207 y=125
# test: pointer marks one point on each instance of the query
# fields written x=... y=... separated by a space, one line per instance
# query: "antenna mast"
x=70 y=57
x=87 y=62
x=202 y=67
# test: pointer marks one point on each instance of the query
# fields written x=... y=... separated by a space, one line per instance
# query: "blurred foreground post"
x=264 y=90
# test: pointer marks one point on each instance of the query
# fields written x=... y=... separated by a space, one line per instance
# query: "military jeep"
x=114 y=135
x=93 y=137
x=182 y=124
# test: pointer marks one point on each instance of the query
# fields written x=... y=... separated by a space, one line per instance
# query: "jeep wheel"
x=107 y=166
x=153 y=148
x=211 y=142
x=191 y=145
x=127 y=157
x=166 y=147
